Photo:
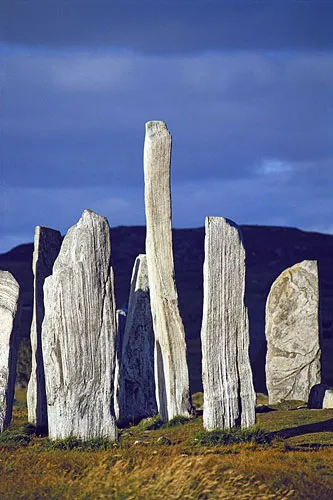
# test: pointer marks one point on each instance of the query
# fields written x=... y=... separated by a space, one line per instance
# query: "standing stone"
x=171 y=371
x=229 y=397
x=321 y=397
x=292 y=333
x=47 y=244
x=78 y=334
x=136 y=390
x=9 y=340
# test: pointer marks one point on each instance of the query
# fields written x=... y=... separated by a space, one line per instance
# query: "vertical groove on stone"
x=78 y=334
x=229 y=397
x=136 y=395
x=47 y=243
x=171 y=371
x=9 y=343
x=292 y=333
x=120 y=323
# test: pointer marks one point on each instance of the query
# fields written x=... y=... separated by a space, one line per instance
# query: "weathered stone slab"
x=78 y=334
x=292 y=333
x=321 y=397
x=229 y=397
x=136 y=392
x=47 y=243
x=9 y=340
x=171 y=371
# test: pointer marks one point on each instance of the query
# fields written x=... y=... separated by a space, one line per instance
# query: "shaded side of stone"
x=321 y=397
x=120 y=324
x=47 y=243
x=136 y=397
x=292 y=333
x=229 y=397
x=171 y=371
x=79 y=333
x=9 y=342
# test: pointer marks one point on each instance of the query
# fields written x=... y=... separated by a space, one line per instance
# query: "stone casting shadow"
x=326 y=426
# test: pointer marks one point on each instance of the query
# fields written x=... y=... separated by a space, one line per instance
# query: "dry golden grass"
x=182 y=469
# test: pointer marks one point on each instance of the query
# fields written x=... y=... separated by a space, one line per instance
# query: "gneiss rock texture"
x=136 y=393
x=9 y=322
x=229 y=397
x=292 y=333
x=171 y=371
x=47 y=244
x=78 y=334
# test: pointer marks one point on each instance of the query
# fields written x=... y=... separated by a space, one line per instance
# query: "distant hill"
x=269 y=251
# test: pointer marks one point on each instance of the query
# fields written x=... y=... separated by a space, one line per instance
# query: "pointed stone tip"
x=155 y=127
x=141 y=256
x=121 y=312
x=90 y=214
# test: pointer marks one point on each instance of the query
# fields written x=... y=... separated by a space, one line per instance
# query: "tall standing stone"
x=171 y=371
x=9 y=340
x=292 y=333
x=47 y=244
x=136 y=389
x=229 y=397
x=78 y=334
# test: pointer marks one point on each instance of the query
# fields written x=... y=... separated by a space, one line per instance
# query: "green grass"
x=253 y=435
x=288 y=454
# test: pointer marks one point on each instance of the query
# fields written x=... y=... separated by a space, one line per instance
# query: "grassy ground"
x=154 y=462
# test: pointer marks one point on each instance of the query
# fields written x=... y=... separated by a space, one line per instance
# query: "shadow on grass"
x=326 y=426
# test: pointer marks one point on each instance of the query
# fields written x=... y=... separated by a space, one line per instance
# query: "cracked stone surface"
x=79 y=333
x=136 y=385
x=9 y=340
x=292 y=333
x=171 y=371
x=47 y=243
x=229 y=397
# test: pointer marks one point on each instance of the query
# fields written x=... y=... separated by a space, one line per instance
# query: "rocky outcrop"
x=9 y=322
x=292 y=333
x=171 y=371
x=229 y=397
x=78 y=334
x=47 y=244
x=136 y=387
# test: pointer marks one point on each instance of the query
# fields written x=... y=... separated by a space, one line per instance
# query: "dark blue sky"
x=245 y=88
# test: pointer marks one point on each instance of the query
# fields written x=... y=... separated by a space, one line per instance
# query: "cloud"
x=59 y=208
x=252 y=136
x=78 y=119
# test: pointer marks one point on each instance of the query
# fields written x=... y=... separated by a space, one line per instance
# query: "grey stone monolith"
x=47 y=243
x=9 y=342
x=292 y=333
x=229 y=397
x=171 y=371
x=136 y=393
x=79 y=333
